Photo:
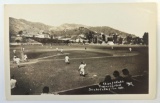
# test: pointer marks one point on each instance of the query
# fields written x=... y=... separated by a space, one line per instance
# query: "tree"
x=18 y=41
x=137 y=40
x=33 y=36
x=51 y=36
x=20 y=32
x=89 y=36
x=145 y=38
x=114 y=38
x=94 y=39
x=129 y=38
x=103 y=37
x=24 y=39
x=120 y=40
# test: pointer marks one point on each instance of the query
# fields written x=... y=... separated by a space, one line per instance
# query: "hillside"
x=108 y=30
x=67 y=26
x=17 y=25
x=66 y=30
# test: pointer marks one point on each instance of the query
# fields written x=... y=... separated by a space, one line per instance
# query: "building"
x=42 y=36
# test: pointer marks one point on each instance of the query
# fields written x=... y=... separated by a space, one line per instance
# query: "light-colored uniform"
x=66 y=59
x=61 y=50
x=130 y=49
x=25 y=57
x=81 y=68
x=13 y=83
x=22 y=49
x=14 y=51
x=17 y=61
x=14 y=58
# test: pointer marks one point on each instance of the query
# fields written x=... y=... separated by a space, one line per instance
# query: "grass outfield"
x=53 y=72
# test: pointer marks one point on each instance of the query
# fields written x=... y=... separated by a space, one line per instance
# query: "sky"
x=133 y=18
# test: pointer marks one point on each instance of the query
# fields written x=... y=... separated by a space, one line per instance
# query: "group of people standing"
x=16 y=59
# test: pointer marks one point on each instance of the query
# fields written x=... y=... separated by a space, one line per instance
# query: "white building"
x=42 y=36
x=79 y=40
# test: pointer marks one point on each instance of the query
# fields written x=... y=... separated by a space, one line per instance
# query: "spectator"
x=106 y=80
x=117 y=76
x=127 y=75
x=13 y=84
x=45 y=90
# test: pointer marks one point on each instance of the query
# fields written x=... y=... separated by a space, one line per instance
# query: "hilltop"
x=17 y=26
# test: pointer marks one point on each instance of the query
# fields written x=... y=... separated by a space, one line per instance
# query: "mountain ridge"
x=28 y=27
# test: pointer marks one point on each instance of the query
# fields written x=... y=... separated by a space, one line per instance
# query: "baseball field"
x=46 y=66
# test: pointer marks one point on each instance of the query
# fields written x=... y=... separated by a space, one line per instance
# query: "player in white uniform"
x=13 y=82
x=81 y=69
x=25 y=57
x=13 y=85
x=56 y=49
x=23 y=49
x=62 y=50
x=67 y=59
x=130 y=49
x=17 y=61
x=14 y=59
x=111 y=47
x=14 y=51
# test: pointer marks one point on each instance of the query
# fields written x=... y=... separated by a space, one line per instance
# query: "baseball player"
x=17 y=61
x=14 y=59
x=67 y=59
x=13 y=82
x=14 y=51
x=25 y=57
x=56 y=49
x=130 y=49
x=62 y=50
x=81 y=69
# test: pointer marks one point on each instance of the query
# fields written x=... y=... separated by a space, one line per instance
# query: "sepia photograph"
x=80 y=49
